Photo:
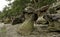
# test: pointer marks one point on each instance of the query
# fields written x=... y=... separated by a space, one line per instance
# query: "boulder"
x=26 y=28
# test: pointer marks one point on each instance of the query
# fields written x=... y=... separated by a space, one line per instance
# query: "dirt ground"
x=8 y=30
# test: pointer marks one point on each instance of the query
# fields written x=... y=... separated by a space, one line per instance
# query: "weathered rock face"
x=53 y=18
x=54 y=24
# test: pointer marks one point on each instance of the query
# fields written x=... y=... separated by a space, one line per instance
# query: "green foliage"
x=16 y=7
x=45 y=2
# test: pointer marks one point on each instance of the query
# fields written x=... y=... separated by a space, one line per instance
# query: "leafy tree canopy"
x=16 y=7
